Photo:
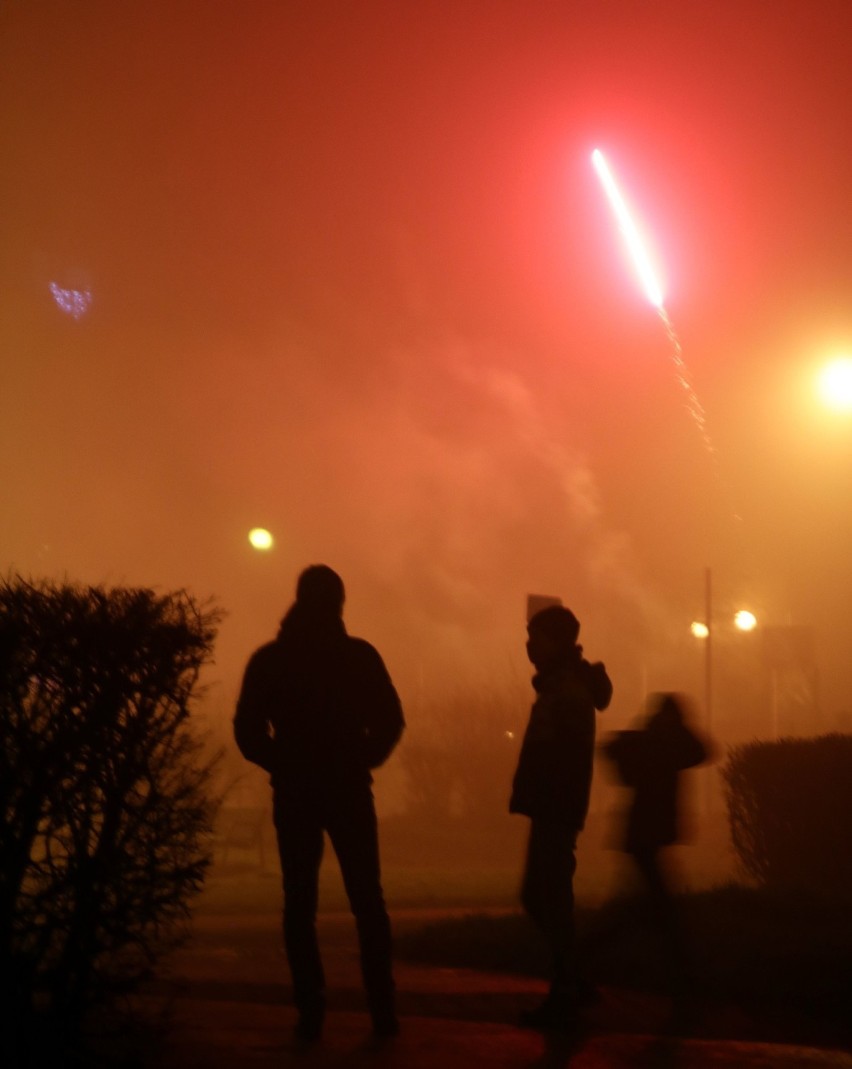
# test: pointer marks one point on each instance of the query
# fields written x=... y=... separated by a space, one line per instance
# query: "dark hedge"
x=790 y=811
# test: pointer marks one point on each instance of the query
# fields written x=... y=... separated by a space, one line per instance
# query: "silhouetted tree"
x=103 y=790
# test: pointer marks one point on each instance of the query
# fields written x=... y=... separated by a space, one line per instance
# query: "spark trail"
x=693 y=405
x=653 y=291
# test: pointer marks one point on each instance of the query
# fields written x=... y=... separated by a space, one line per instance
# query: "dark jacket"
x=650 y=761
x=554 y=774
x=317 y=707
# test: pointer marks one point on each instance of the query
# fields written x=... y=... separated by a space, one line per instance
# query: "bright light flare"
x=653 y=291
x=260 y=538
x=641 y=261
x=745 y=620
x=835 y=384
x=699 y=629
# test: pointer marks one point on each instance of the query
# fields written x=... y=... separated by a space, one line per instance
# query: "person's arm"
x=626 y=751
x=599 y=683
x=384 y=720
x=679 y=746
x=693 y=751
x=251 y=723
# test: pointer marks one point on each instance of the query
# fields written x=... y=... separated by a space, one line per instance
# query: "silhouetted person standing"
x=650 y=761
x=318 y=711
x=551 y=787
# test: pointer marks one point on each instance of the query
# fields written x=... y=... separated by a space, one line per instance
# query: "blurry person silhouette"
x=318 y=711
x=649 y=761
x=551 y=786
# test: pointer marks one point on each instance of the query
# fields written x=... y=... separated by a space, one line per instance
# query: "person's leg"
x=300 y=846
x=535 y=878
x=547 y=896
x=663 y=915
x=616 y=918
x=353 y=830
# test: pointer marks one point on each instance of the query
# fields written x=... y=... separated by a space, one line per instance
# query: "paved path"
x=231 y=1009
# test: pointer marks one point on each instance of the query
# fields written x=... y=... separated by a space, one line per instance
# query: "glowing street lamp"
x=261 y=539
x=835 y=384
x=744 y=620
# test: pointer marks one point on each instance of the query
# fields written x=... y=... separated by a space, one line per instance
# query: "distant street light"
x=743 y=620
x=835 y=384
x=260 y=538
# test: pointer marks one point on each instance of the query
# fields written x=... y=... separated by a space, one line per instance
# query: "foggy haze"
x=352 y=279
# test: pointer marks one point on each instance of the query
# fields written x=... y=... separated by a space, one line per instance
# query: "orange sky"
x=353 y=279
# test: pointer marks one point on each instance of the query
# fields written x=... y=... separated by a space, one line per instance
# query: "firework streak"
x=653 y=290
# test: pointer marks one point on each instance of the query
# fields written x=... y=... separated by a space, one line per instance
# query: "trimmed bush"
x=790 y=811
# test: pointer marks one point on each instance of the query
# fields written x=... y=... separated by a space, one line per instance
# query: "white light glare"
x=835 y=384
x=652 y=288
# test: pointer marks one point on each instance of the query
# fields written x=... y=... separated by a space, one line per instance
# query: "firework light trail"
x=653 y=290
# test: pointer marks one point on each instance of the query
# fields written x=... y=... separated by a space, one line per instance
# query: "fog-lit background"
x=353 y=279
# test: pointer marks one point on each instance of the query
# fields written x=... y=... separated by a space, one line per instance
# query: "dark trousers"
x=662 y=913
x=547 y=895
x=653 y=908
x=349 y=818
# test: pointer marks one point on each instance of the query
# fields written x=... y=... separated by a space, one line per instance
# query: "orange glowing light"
x=699 y=629
x=835 y=384
x=260 y=538
x=745 y=620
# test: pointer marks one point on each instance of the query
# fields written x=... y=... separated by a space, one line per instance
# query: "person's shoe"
x=309 y=1025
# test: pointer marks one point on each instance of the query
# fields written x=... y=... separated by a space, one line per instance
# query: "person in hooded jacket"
x=318 y=711
x=551 y=786
x=649 y=761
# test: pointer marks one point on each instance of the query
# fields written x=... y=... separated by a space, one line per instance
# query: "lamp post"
x=708 y=647
x=743 y=620
x=703 y=629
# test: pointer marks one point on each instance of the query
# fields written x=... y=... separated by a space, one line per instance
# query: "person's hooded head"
x=320 y=591
x=552 y=637
x=317 y=612
x=666 y=711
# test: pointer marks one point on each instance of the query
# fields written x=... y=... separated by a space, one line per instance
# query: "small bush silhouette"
x=103 y=791
x=790 y=810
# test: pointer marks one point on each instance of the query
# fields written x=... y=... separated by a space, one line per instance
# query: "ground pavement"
x=228 y=997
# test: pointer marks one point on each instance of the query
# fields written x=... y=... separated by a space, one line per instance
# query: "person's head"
x=666 y=709
x=552 y=636
x=320 y=592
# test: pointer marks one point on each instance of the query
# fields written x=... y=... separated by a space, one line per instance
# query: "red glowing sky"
x=353 y=279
